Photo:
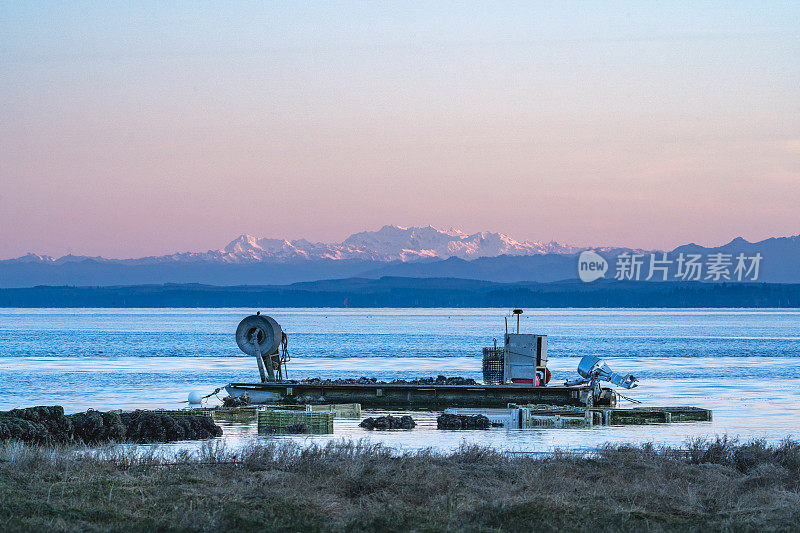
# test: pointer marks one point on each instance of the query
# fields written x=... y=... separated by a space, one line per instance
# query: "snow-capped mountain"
x=390 y=243
x=395 y=242
x=390 y=251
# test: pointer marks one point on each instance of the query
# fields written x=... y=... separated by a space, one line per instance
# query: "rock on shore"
x=447 y=421
x=49 y=424
x=439 y=380
x=388 y=422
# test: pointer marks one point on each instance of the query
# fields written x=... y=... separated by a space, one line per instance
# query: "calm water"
x=743 y=364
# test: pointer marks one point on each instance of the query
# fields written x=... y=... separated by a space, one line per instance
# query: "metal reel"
x=259 y=333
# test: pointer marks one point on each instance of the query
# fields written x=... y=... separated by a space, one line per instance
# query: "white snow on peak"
x=389 y=243
x=35 y=258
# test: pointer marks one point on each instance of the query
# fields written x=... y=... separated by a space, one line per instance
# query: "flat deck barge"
x=407 y=396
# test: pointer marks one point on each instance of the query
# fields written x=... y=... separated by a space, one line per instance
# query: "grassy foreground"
x=718 y=485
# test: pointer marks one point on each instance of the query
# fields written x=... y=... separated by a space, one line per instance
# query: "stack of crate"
x=555 y=416
x=242 y=414
x=276 y=420
x=339 y=410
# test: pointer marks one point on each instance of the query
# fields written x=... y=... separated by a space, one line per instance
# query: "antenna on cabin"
x=518 y=312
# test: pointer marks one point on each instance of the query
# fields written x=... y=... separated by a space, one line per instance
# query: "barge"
x=413 y=396
x=514 y=373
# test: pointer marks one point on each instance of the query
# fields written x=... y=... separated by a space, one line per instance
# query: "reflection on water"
x=743 y=364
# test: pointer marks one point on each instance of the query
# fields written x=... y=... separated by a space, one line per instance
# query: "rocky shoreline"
x=49 y=425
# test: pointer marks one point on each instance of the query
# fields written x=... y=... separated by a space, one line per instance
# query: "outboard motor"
x=594 y=369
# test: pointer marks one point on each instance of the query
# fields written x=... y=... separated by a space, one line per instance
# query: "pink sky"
x=151 y=130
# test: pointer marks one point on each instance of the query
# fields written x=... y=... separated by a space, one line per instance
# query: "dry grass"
x=350 y=486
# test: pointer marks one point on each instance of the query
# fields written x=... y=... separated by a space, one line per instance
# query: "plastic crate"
x=339 y=410
x=276 y=420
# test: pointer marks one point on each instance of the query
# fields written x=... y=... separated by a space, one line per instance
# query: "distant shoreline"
x=414 y=293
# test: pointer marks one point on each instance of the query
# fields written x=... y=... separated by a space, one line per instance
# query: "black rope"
x=207 y=395
x=285 y=354
x=632 y=400
x=213 y=393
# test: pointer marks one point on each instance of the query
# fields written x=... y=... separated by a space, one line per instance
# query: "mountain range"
x=390 y=243
x=391 y=251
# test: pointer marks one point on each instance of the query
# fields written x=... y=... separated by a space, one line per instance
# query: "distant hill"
x=504 y=269
x=106 y=273
x=409 y=292
x=781 y=255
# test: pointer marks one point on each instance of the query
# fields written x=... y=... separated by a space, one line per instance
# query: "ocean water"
x=742 y=363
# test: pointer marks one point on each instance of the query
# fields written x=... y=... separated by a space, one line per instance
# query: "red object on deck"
x=528 y=381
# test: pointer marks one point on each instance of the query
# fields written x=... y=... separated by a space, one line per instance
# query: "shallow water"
x=743 y=364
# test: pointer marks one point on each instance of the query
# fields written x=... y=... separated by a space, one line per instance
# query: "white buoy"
x=195 y=398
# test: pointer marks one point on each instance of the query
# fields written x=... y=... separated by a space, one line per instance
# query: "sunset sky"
x=131 y=129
